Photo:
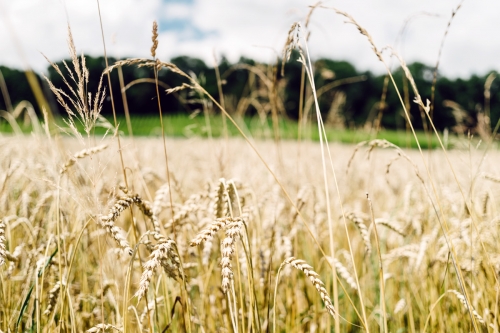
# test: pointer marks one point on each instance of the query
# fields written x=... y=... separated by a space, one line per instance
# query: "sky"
x=210 y=29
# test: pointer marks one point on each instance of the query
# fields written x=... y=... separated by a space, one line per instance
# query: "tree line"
x=347 y=97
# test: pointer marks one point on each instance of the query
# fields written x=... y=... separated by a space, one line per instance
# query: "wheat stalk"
x=3 y=250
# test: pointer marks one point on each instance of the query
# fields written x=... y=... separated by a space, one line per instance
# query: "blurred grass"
x=186 y=126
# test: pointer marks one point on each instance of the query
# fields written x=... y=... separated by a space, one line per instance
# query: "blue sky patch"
x=185 y=29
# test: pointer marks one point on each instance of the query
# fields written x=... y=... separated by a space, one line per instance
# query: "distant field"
x=188 y=127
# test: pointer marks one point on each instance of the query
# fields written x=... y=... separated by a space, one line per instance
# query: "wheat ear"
x=13 y=258
x=462 y=300
x=164 y=254
x=161 y=197
x=390 y=225
x=147 y=210
x=102 y=328
x=221 y=196
x=400 y=305
x=81 y=154
x=154 y=39
x=108 y=221
x=344 y=273
x=227 y=250
x=358 y=221
x=301 y=265
x=210 y=231
x=123 y=203
x=53 y=295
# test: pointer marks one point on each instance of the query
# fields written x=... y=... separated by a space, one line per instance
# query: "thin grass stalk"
x=187 y=312
x=155 y=69
x=253 y=309
x=222 y=102
x=101 y=274
x=232 y=311
x=125 y=103
x=274 y=114
x=473 y=217
x=127 y=284
x=495 y=312
x=487 y=100
x=208 y=125
x=276 y=295
x=301 y=113
x=240 y=286
x=5 y=93
x=118 y=140
x=441 y=46
x=58 y=230
x=42 y=280
x=71 y=312
x=112 y=99
x=322 y=137
x=37 y=303
x=251 y=281
x=382 y=106
x=381 y=266
x=444 y=224
x=64 y=286
x=322 y=133
x=467 y=204
x=302 y=121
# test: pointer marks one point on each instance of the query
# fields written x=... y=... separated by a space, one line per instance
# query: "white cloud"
x=177 y=11
x=244 y=27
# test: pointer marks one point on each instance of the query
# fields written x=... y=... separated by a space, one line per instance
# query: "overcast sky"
x=253 y=28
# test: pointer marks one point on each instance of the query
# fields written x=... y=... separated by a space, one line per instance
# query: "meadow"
x=214 y=223
x=185 y=126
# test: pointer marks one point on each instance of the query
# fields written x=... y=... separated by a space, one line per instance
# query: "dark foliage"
x=361 y=98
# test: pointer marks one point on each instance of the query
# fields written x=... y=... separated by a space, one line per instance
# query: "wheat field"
x=130 y=234
x=56 y=227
